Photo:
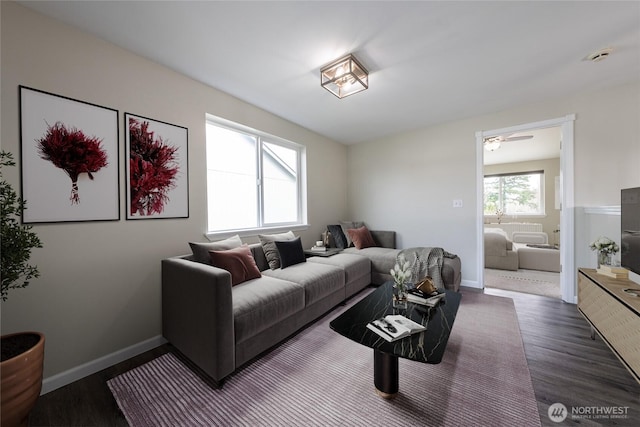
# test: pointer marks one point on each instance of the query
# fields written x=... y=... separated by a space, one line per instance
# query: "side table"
x=328 y=252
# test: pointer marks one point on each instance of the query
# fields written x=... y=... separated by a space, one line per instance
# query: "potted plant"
x=401 y=274
x=22 y=353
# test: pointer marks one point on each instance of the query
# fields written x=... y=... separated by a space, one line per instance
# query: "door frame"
x=567 y=219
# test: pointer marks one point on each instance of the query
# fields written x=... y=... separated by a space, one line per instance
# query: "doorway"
x=564 y=189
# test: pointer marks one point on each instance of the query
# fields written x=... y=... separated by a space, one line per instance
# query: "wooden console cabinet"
x=612 y=313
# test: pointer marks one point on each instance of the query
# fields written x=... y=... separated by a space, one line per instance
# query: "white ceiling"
x=429 y=62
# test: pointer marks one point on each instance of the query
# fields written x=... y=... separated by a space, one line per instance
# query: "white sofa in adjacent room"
x=534 y=251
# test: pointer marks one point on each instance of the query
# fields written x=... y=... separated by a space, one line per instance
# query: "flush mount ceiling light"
x=600 y=55
x=491 y=144
x=344 y=77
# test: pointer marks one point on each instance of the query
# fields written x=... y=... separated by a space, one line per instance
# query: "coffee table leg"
x=385 y=374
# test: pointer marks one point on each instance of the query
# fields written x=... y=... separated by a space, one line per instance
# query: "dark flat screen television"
x=630 y=229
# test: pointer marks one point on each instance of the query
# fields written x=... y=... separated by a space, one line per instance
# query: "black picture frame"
x=69 y=159
x=157 y=168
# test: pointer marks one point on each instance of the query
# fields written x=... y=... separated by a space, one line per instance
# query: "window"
x=514 y=194
x=254 y=180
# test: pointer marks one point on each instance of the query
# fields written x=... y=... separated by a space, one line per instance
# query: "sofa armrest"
x=452 y=273
x=386 y=239
x=197 y=314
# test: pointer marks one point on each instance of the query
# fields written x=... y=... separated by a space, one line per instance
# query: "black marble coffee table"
x=426 y=347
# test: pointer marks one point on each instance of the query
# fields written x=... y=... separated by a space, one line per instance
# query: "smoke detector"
x=599 y=55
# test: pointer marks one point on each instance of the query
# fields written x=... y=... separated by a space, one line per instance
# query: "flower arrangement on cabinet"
x=606 y=248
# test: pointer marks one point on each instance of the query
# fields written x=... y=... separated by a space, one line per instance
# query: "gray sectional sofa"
x=220 y=327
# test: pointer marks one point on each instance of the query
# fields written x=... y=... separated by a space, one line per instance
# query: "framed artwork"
x=70 y=159
x=157 y=169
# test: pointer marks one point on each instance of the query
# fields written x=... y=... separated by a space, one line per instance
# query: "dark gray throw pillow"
x=338 y=236
x=291 y=252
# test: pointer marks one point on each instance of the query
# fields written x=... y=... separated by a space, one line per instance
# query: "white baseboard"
x=471 y=284
x=74 y=374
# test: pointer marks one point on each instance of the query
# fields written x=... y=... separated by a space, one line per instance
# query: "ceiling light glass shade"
x=492 y=145
x=344 y=77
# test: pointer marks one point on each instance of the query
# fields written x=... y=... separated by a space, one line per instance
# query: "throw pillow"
x=291 y=252
x=361 y=237
x=347 y=225
x=338 y=236
x=201 y=250
x=238 y=261
x=269 y=247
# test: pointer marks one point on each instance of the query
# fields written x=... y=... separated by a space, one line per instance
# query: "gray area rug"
x=319 y=378
x=543 y=283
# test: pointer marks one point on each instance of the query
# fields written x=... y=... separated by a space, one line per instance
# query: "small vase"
x=604 y=258
x=399 y=295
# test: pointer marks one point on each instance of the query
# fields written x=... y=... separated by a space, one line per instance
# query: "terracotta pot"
x=21 y=380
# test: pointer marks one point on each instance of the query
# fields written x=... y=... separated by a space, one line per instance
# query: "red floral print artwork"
x=72 y=151
x=153 y=169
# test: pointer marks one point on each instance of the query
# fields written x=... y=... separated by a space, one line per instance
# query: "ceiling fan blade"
x=518 y=138
x=490 y=139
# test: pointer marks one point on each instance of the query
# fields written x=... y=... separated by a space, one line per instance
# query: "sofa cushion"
x=318 y=280
x=261 y=303
x=361 y=237
x=201 y=250
x=238 y=261
x=269 y=247
x=532 y=258
x=339 y=238
x=354 y=266
x=347 y=225
x=290 y=252
x=537 y=237
x=382 y=259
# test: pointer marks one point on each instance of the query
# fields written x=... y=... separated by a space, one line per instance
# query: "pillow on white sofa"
x=537 y=237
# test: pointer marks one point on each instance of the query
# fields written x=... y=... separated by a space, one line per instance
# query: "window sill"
x=519 y=218
x=213 y=236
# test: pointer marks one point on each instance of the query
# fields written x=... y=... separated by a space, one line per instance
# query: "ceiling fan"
x=492 y=143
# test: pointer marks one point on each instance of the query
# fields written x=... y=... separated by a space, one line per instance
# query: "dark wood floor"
x=566 y=366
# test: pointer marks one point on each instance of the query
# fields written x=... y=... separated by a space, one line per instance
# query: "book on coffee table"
x=395 y=327
x=430 y=300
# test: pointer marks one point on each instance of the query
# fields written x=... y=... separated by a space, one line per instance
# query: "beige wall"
x=100 y=287
x=551 y=168
x=408 y=182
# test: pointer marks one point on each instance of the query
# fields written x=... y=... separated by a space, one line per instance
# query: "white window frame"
x=543 y=211
x=262 y=227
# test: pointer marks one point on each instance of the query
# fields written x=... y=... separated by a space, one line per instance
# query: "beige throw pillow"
x=201 y=250
x=269 y=247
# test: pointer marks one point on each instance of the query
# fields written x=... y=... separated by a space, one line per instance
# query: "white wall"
x=407 y=182
x=100 y=285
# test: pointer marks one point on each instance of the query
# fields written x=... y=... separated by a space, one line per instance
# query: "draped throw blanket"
x=426 y=262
